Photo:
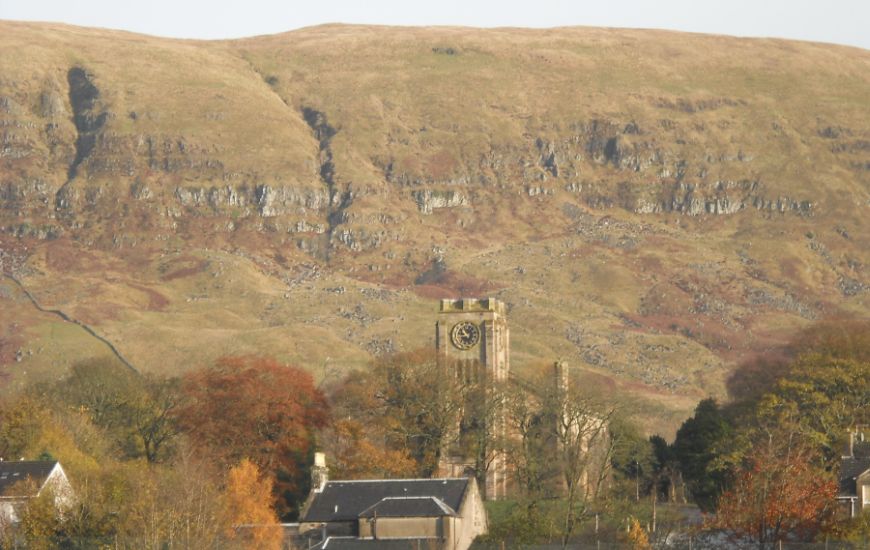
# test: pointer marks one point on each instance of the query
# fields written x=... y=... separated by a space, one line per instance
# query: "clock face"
x=465 y=335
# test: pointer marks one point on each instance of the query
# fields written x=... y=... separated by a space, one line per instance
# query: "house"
x=23 y=480
x=437 y=514
x=854 y=491
x=854 y=494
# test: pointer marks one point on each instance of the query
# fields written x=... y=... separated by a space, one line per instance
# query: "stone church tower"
x=473 y=343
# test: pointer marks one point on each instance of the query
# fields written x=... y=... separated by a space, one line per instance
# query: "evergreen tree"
x=696 y=448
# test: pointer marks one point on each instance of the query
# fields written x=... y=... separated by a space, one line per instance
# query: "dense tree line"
x=765 y=464
x=165 y=462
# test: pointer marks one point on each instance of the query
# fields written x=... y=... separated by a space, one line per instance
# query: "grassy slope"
x=661 y=306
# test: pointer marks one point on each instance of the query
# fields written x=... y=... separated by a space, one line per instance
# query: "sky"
x=836 y=21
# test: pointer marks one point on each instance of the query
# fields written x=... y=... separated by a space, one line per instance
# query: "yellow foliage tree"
x=39 y=518
x=356 y=456
x=250 y=518
x=637 y=537
x=29 y=428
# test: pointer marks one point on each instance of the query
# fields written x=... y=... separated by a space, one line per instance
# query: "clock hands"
x=465 y=335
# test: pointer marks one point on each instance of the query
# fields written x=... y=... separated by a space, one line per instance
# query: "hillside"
x=654 y=207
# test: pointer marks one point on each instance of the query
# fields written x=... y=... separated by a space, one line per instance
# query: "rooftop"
x=13 y=472
x=347 y=500
x=850 y=469
x=404 y=507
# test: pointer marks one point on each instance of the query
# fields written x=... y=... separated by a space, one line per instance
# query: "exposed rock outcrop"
x=429 y=200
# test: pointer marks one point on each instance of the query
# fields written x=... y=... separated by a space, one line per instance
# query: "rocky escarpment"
x=298 y=210
x=429 y=200
x=373 y=171
x=715 y=198
x=683 y=155
x=611 y=164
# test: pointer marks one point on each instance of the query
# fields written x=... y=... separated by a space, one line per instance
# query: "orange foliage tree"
x=781 y=488
x=254 y=407
x=250 y=519
x=356 y=456
x=395 y=417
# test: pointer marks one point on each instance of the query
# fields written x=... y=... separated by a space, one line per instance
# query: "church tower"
x=473 y=343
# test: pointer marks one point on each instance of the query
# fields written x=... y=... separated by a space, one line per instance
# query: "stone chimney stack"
x=319 y=473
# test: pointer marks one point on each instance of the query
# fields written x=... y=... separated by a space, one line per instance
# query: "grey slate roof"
x=12 y=472
x=408 y=507
x=351 y=543
x=850 y=469
x=346 y=500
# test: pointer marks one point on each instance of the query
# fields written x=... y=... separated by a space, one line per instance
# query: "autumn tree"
x=482 y=432
x=584 y=450
x=136 y=411
x=824 y=371
x=843 y=339
x=22 y=423
x=30 y=429
x=356 y=455
x=360 y=440
x=39 y=522
x=637 y=537
x=173 y=500
x=832 y=395
x=562 y=446
x=414 y=406
x=407 y=405
x=256 y=408
x=420 y=405
x=103 y=495
x=530 y=453
x=152 y=420
x=154 y=507
x=194 y=502
x=100 y=387
x=780 y=488
x=249 y=517
x=779 y=443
